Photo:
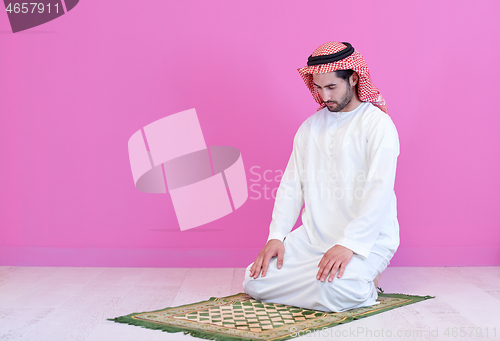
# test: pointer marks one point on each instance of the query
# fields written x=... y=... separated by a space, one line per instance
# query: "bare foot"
x=377 y=279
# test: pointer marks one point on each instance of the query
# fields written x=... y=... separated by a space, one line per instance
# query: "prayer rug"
x=240 y=317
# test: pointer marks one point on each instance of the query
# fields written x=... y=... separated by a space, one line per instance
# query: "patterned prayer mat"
x=240 y=317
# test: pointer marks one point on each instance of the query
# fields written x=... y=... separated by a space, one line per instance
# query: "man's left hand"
x=334 y=259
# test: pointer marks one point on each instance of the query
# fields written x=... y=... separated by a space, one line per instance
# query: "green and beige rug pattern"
x=240 y=317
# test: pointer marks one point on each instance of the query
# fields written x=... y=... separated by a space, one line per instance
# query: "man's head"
x=337 y=89
x=339 y=59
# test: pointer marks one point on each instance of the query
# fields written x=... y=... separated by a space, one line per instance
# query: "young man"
x=342 y=168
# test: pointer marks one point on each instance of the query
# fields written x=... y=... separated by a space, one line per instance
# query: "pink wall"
x=72 y=92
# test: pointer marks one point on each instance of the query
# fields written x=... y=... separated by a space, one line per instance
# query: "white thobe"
x=342 y=170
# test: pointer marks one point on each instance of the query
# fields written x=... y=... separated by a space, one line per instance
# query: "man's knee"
x=253 y=287
x=250 y=285
x=250 y=288
x=261 y=287
x=346 y=293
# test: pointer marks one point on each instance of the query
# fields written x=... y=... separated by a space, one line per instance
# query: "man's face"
x=335 y=92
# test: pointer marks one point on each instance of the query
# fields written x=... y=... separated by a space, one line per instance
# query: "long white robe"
x=342 y=168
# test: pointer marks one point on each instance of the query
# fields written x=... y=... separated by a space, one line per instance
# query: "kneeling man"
x=342 y=170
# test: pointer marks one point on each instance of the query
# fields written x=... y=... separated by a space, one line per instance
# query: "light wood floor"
x=71 y=304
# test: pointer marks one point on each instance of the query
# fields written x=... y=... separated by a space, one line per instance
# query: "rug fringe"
x=398 y=295
x=172 y=329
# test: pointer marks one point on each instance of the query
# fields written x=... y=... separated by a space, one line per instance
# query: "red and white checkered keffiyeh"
x=367 y=92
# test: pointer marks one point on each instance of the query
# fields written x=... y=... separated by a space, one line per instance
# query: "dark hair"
x=344 y=74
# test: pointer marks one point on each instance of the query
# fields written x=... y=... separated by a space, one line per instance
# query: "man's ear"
x=353 y=80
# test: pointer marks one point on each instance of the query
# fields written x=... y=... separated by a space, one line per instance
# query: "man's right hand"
x=273 y=248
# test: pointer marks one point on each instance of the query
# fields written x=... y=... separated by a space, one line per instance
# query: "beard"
x=344 y=101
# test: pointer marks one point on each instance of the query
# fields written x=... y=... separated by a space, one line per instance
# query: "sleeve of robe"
x=382 y=151
x=290 y=194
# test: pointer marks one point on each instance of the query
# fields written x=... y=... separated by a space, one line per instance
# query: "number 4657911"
x=25 y=7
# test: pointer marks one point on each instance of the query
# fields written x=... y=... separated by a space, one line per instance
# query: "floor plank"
x=202 y=283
